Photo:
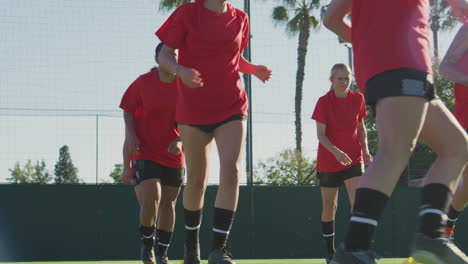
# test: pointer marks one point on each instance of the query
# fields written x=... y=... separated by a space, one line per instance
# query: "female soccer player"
x=153 y=157
x=454 y=66
x=343 y=146
x=392 y=66
x=210 y=36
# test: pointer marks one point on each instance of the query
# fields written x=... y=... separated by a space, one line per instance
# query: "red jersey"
x=152 y=103
x=211 y=43
x=341 y=117
x=461 y=95
x=388 y=35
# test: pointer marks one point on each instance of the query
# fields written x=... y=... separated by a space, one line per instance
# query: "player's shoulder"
x=240 y=13
x=145 y=78
x=186 y=8
x=357 y=95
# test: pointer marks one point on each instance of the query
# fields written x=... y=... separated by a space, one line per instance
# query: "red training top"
x=153 y=104
x=341 y=117
x=461 y=95
x=388 y=35
x=211 y=43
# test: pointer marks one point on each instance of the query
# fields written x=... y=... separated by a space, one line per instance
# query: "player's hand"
x=190 y=77
x=175 y=147
x=134 y=144
x=367 y=158
x=128 y=175
x=342 y=158
x=262 y=73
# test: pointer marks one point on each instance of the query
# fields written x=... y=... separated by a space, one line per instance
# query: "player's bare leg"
x=148 y=194
x=230 y=141
x=197 y=146
x=166 y=220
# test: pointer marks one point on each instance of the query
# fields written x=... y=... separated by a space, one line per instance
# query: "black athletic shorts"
x=399 y=82
x=337 y=179
x=147 y=169
x=210 y=128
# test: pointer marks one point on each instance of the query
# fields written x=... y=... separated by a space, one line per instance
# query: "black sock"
x=192 y=227
x=328 y=234
x=368 y=207
x=147 y=235
x=452 y=216
x=435 y=200
x=222 y=224
x=164 y=240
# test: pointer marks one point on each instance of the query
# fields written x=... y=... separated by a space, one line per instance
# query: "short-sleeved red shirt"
x=153 y=104
x=388 y=35
x=211 y=43
x=341 y=116
x=461 y=95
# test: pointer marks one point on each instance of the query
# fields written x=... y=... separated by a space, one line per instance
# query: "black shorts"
x=210 y=128
x=337 y=179
x=399 y=82
x=147 y=169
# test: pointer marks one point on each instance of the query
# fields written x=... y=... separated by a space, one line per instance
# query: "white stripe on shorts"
x=328 y=235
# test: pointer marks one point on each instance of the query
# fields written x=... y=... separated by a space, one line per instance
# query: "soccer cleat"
x=328 y=258
x=220 y=256
x=348 y=257
x=436 y=251
x=147 y=254
x=192 y=255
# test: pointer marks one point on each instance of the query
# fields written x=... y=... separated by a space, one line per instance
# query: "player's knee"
x=167 y=205
x=397 y=151
x=229 y=177
x=150 y=204
x=196 y=184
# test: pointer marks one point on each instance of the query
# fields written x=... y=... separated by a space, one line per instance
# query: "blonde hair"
x=339 y=67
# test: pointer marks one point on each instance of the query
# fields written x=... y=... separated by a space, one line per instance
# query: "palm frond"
x=280 y=15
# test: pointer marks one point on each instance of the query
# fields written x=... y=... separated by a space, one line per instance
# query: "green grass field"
x=244 y=261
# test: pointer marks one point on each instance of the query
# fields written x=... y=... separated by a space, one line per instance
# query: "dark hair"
x=158 y=49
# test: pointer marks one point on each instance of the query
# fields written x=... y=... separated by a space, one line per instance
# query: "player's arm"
x=168 y=60
x=131 y=146
x=362 y=135
x=456 y=51
x=325 y=142
x=127 y=163
x=259 y=71
x=335 y=18
x=130 y=133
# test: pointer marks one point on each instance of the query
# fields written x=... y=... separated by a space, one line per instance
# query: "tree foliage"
x=30 y=173
x=65 y=171
x=286 y=168
x=298 y=18
x=117 y=173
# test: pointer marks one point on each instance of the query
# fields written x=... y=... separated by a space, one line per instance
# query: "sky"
x=64 y=66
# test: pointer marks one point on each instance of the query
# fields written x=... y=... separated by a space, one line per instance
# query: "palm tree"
x=170 y=4
x=300 y=23
x=441 y=19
